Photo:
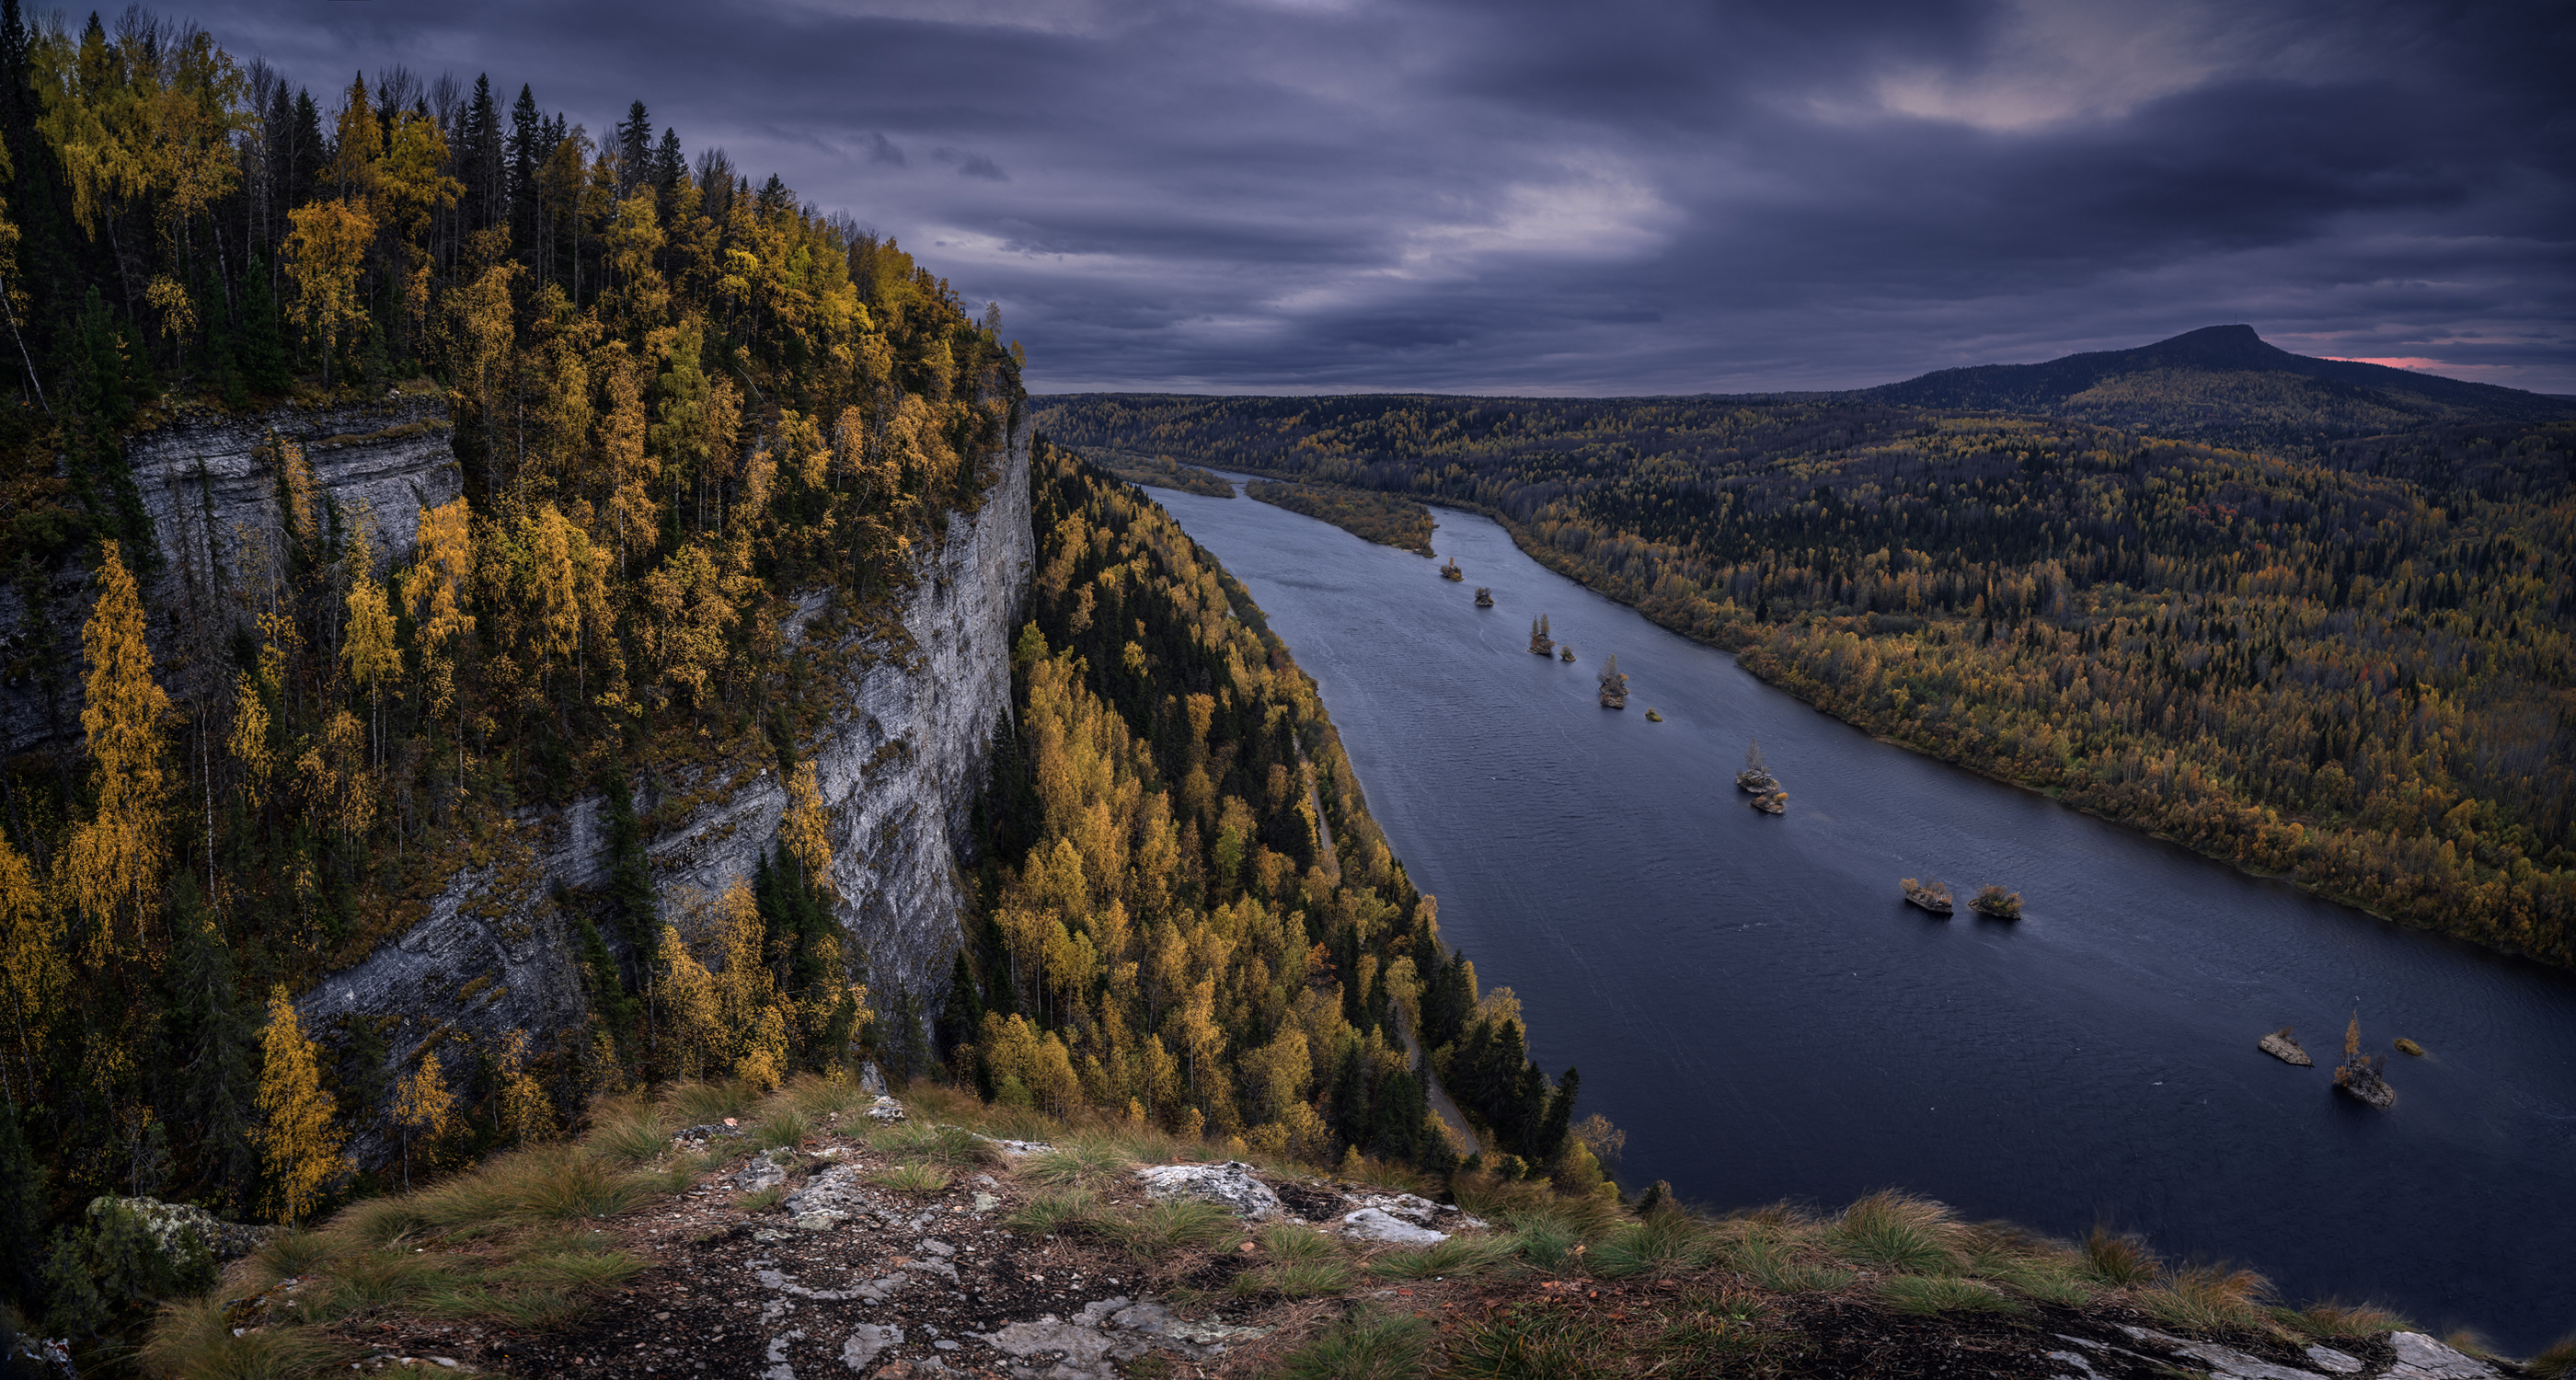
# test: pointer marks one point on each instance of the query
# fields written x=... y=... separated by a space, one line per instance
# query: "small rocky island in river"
x=1755 y=778
x=1566 y=654
x=1484 y=597
x=1540 y=643
x=1451 y=571
x=2359 y=1074
x=1772 y=802
x=1614 y=684
x=2280 y=1046
x=1997 y=903
x=1931 y=896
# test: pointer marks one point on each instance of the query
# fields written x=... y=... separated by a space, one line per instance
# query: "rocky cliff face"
x=214 y=504
x=899 y=766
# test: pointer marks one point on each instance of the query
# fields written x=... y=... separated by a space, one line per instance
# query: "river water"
x=1749 y=999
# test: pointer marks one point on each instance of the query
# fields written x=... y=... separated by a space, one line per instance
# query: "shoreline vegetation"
x=1387 y=519
x=2340 y=665
x=1163 y=472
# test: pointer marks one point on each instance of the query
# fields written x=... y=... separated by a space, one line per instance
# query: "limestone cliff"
x=214 y=504
x=919 y=688
x=899 y=767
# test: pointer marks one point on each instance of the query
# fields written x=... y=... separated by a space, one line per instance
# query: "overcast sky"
x=1632 y=196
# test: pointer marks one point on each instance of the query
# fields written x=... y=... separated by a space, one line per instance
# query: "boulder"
x=168 y=1222
x=1421 y=1211
x=767 y=1171
x=1231 y=1183
x=1377 y=1224
x=2421 y=1358
x=885 y=1109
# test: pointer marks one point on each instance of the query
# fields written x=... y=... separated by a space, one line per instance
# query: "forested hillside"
x=679 y=396
x=1188 y=916
x=2350 y=665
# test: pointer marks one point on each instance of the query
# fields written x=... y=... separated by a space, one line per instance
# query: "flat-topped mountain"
x=2226 y=382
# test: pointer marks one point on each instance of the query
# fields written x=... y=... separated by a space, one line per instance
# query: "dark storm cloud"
x=1614 y=197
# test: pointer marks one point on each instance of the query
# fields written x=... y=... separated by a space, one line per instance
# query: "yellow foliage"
x=804 y=827
x=424 y=1108
x=115 y=857
x=527 y=1114
x=299 y=1143
x=33 y=968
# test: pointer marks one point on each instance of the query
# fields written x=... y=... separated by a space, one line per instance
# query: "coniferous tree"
x=1552 y=1128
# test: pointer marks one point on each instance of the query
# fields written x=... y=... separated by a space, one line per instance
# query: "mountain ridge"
x=2228 y=349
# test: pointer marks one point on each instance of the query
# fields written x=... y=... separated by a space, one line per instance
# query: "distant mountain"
x=2223 y=383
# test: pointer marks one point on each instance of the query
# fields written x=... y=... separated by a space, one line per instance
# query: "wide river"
x=1748 y=998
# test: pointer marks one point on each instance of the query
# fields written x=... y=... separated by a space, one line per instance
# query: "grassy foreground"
x=544 y=1260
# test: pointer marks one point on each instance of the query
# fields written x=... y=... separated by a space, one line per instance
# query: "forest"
x=1163 y=472
x=2346 y=663
x=1388 y=519
x=1203 y=928
x=678 y=395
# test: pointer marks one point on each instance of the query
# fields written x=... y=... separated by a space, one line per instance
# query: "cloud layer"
x=1626 y=196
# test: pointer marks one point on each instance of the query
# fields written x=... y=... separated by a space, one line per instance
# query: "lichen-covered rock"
x=1231 y=1183
x=1105 y=1331
x=1421 y=1211
x=2327 y=1358
x=885 y=1109
x=767 y=1171
x=1376 y=1224
x=169 y=1223
x=2421 y=1358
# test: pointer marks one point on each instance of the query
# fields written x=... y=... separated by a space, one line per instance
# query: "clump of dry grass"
x=2121 y=1258
x=190 y=1340
x=2558 y=1362
x=2334 y=1318
x=1898 y=1231
x=2208 y=1298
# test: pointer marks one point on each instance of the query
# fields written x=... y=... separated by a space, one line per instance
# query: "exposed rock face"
x=1231 y=1184
x=214 y=505
x=898 y=768
x=1374 y=1224
x=2421 y=1358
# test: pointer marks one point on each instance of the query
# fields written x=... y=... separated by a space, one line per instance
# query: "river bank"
x=1754 y=1002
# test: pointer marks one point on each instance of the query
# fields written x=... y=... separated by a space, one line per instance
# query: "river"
x=1749 y=999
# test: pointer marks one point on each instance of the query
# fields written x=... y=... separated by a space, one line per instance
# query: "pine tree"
x=300 y=1143
x=1559 y=1120
x=264 y=363
x=210 y=1047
